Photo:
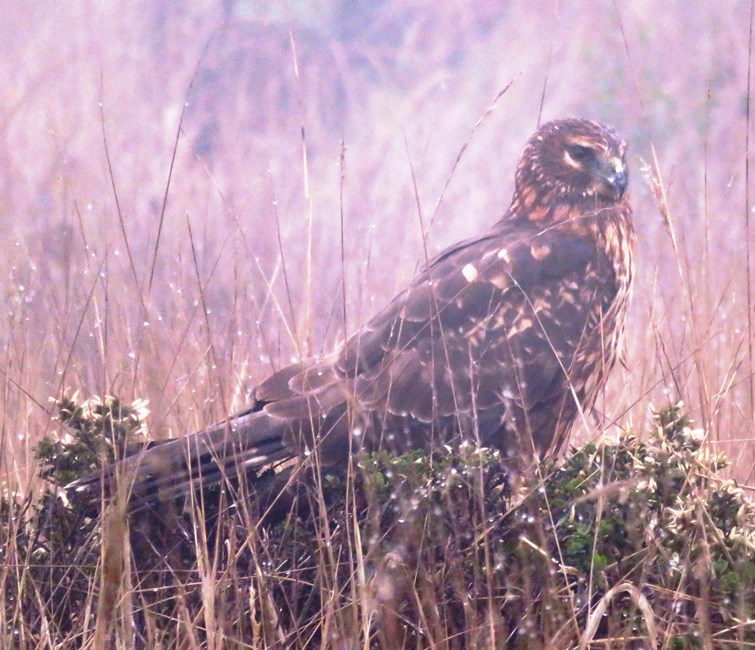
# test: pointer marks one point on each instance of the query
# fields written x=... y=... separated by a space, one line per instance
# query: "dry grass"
x=312 y=138
x=622 y=544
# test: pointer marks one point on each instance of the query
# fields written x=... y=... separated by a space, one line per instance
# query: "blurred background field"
x=315 y=143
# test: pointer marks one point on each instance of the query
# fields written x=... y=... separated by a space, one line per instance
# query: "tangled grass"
x=624 y=544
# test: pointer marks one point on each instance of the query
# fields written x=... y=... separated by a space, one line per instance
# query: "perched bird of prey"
x=502 y=339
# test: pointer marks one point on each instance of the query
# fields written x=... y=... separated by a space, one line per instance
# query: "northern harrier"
x=503 y=339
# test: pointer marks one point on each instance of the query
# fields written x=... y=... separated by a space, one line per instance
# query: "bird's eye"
x=579 y=153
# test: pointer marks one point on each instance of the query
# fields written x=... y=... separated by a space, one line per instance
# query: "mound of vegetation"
x=622 y=544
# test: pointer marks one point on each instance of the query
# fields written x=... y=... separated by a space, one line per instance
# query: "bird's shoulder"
x=466 y=282
x=450 y=295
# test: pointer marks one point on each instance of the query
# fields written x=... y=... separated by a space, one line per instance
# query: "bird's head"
x=571 y=162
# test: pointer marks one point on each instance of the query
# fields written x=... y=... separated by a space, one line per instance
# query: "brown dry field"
x=190 y=196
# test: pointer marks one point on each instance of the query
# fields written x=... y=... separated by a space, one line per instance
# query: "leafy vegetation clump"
x=624 y=544
x=102 y=430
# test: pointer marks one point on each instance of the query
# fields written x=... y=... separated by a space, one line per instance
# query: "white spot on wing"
x=499 y=281
x=470 y=272
x=540 y=252
x=504 y=255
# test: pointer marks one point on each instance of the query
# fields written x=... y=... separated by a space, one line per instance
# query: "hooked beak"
x=615 y=178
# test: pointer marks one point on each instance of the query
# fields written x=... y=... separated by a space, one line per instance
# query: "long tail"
x=247 y=443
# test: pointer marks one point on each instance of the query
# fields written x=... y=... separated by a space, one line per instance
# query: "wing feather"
x=476 y=330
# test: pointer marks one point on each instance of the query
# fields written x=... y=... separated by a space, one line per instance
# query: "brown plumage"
x=502 y=339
